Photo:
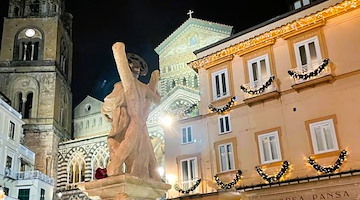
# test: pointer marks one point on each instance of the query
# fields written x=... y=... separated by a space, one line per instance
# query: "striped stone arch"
x=157 y=134
x=69 y=156
x=61 y=174
x=94 y=149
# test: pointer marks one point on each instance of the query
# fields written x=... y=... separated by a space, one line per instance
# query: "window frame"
x=306 y=43
x=227 y=157
x=196 y=172
x=213 y=84
x=311 y=127
x=187 y=134
x=224 y=124
x=257 y=60
x=261 y=149
x=12 y=127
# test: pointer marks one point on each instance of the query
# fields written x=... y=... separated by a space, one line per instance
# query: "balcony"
x=260 y=90
x=27 y=153
x=30 y=175
x=188 y=186
x=311 y=75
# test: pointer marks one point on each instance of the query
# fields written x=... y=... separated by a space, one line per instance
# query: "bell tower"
x=35 y=74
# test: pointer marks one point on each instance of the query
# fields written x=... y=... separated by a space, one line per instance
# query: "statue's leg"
x=124 y=149
x=140 y=167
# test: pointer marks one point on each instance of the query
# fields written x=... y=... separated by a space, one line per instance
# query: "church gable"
x=87 y=107
x=187 y=35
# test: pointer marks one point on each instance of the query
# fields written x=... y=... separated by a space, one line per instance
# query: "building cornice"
x=281 y=32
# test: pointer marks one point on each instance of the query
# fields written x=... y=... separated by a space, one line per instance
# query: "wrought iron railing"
x=310 y=72
x=259 y=87
x=30 y=175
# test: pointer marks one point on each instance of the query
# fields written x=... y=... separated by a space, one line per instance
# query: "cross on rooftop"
x=190 y=13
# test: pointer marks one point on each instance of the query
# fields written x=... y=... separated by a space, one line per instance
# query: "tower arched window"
x=35 y=7
x=99 y=160
x=76 y=168
x=28 y=105
x=28 y=45
x=64 y=58
x=19 y=102
x=173 y=84
x=184 y=81
x=16 y=11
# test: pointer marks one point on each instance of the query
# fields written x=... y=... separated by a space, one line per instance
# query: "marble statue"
x=127 y=107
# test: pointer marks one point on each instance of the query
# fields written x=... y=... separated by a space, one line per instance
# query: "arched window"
x=173 y=84
x=64 y=58
x=99 y=160
x=28 y=45
x=28 y=105
x=100 y=121
x=168 y=86
x=76 y=168
x=16 y=11
x=87 y=124
x=184 y=81
x=196 y=81
x=19 y=102
x=35 y=7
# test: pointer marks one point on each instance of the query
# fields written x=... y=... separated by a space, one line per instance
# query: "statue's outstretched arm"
x=152 y=93
x=127 y=79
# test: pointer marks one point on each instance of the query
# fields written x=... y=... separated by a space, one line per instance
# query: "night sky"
x=142 y=25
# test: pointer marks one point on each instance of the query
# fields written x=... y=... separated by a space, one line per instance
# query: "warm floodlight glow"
x=166 y=120
x=30 y=33
x=59 y=194
x=171 y=178
x=2 y=194
x=161 y=171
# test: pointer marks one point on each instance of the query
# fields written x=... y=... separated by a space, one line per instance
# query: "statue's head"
x=137 y=65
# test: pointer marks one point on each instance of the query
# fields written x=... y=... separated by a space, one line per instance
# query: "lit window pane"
x=297 y=4
x=263 y=68
x=230 y=157
x=189 y=134
x=306 y=2
x=328 y=136
x=192 y=169
x=266 y=149
x=223 y=158
x=184 y=135
x=185 y=170
x=319 y=141
x=273 y=147
x=313 y=54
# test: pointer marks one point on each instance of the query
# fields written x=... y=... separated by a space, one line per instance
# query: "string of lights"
x=277 y=177
x=260 y=89
x=309 y=75
x=225 y=108
x=327 y=170
x=231 y=184
x=177 y=188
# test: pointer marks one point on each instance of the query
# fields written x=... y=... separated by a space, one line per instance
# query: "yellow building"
x=279 y=114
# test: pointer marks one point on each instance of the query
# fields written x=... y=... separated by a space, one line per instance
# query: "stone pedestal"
x=124 y=187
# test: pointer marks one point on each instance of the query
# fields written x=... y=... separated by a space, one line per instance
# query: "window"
x=99 y=160
x=269 y=147
x=42 y=194
x=323 y=136
x=186 y=135
x=8 y=166
x=24 y=194
x=220 y=84
x=300 y=3
x=308 y=54
x=28 y=45
x=226 y=157
x=76 y=169
x=259 y=70
x=28 y=105
x=189 y=172
x=11 y=130
x=224 y=124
